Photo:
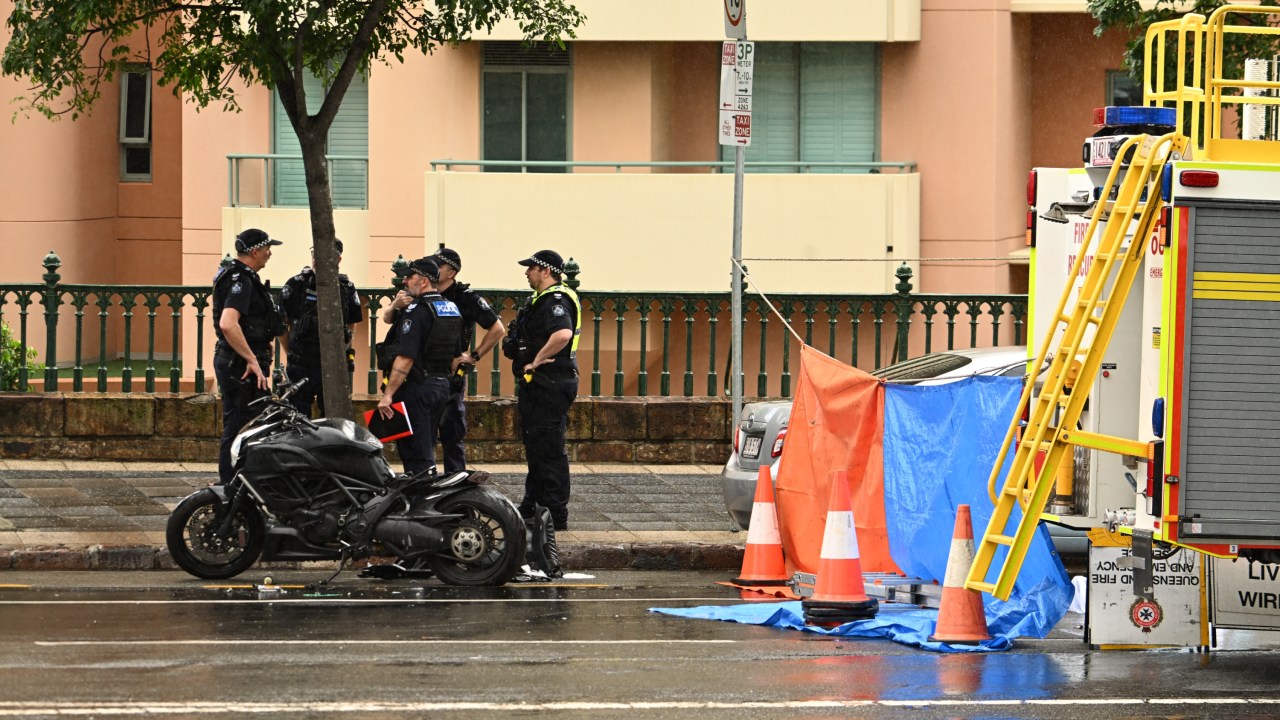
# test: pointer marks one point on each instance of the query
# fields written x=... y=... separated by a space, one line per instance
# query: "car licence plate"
x=751 y=448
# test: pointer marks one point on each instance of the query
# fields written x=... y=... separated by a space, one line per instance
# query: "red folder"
x=386 y=430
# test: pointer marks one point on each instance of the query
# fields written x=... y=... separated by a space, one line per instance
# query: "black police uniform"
x=431 y=334
x=240 y=288
x=544 y=399
x=298 y=298
x=453 y=426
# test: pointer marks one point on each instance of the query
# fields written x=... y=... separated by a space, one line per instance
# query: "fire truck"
x=1155 y=294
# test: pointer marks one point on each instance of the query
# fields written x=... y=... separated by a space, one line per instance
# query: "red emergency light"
x=1031 y=212
x=1198 y=178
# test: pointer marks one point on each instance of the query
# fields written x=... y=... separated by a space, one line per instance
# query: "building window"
x=814 y=102
x=525 y=105
x=1122 y=90
x=135 y=126
x=348 y=138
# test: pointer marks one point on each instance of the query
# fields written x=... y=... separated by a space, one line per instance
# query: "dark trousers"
x=236 y=396
x=453 y=429
x=423 y=399
x=313 y=391
x=544 y=417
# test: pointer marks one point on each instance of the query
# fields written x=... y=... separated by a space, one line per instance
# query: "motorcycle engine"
x=318 y=525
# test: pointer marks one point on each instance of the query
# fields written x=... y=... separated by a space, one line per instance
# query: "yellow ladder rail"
x=1113 y=268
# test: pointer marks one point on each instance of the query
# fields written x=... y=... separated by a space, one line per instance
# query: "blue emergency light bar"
x=1134 y=115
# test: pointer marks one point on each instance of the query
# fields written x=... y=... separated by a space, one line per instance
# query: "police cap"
x=252 y=239
x=549 y=259
x=449 y=257
x=422 y=266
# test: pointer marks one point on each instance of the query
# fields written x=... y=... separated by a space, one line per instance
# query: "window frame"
x=1114 y=79
x=524 y=70
x=126 y=141
x=796 y=50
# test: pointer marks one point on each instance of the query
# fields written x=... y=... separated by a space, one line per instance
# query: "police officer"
x=475 y=311
x=427 y=349
x=302 y=347
x=542 y=346
x=246 y=322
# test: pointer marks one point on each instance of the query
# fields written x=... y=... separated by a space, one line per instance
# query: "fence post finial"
x=397 y=267
x=51 y=264
x=904 y=279
x=571 y=270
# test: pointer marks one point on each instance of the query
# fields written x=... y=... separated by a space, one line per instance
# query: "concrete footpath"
x=83 y=515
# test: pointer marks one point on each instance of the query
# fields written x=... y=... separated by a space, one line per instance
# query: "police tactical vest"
x=441 y=344
x=259 y=328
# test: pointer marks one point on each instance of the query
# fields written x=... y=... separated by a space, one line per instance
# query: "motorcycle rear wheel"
x=199 y=548
x=486 y=546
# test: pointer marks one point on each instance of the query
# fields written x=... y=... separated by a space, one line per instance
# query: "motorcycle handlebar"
x=292 y=388
x=288 y=390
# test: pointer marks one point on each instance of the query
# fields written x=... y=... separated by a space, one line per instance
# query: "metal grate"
x=532 y=54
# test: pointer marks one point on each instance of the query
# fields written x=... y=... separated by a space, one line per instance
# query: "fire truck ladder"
x=1028 y=486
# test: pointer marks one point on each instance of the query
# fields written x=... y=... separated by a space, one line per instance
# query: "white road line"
x=99 y=643
x=276 y=598
x=28 y=709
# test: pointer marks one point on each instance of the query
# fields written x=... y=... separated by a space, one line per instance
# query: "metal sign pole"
x=737 y=67
x=735 y=382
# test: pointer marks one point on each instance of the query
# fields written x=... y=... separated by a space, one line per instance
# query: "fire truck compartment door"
x=1230 y=455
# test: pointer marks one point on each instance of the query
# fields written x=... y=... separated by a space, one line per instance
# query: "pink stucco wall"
x=965 y=124
x=426 y=109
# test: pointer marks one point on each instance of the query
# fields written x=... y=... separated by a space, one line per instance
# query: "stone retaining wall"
x=186 y=427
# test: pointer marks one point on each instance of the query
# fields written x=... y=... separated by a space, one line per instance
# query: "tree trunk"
x=333 y=359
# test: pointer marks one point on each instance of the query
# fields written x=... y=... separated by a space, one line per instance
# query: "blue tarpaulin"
x=940 y=442
x=906 y=624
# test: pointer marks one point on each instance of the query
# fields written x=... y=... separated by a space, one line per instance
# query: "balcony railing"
x=759 y=166
x=632 y=344
x=278 y=181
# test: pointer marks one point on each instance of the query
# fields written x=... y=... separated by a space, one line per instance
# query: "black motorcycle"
x=321 y=490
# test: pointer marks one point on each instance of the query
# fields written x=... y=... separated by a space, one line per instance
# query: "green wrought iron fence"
x=633 y=344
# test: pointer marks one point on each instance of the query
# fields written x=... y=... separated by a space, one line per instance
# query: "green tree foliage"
x=12 y=354
x=205 y=49
x=1133 y=18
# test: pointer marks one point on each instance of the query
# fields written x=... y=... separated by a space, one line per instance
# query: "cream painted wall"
x=652 y=20
x=636 y=232
x=292 y=226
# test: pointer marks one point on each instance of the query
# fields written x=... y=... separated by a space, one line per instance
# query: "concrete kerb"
x=576 y=556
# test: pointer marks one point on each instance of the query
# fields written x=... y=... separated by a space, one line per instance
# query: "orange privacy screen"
x=837 y=422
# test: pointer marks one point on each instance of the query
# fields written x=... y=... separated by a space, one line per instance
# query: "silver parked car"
x=762 y=429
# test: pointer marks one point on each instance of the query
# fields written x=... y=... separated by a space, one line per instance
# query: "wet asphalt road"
x=99 y=644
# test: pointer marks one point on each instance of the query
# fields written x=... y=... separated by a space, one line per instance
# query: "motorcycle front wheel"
x=486 y=545
x=205 y=543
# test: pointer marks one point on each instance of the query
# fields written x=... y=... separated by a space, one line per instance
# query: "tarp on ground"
x=901 y=623
x=836 y=424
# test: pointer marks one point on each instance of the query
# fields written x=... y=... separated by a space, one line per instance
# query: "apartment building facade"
x=953 y=100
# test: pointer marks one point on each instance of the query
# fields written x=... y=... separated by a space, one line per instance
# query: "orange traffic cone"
x=961 y=619
x=762 y=563
x=839 y=594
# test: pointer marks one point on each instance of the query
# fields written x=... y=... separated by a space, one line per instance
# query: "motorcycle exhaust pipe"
x=408 y=535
